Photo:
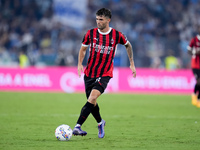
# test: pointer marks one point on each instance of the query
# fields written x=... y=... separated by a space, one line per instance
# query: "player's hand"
x=132 y=67
x=197 y=51
x=80 y=68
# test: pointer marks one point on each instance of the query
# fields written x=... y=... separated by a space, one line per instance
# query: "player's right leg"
x=198 y=103
x=85 y=111
x=194 y=97
x=78 y=131
x=88 y=107
x=196 y=94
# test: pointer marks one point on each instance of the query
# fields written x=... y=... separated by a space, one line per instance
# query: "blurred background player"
x=23 y=60
x=103 y=41
x=171 y=62
x=194 y=50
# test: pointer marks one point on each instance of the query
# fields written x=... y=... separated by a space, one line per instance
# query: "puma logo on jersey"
x=96 y=39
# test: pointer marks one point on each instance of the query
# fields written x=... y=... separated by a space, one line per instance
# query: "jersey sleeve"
x=86 y=39
x=123 y=39
x=191 y=44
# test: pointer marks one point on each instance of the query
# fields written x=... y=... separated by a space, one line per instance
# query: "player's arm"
x=198 y=51
x=81 y=56
x=192 y=50
x=130 y=56
x=189 y=50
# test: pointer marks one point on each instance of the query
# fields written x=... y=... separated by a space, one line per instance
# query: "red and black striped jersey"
x=195 y=46
x=102 y=51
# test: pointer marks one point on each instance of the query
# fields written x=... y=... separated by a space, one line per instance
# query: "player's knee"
x=92 y=99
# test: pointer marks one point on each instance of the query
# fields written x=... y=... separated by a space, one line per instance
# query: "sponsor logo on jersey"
x=102 y=49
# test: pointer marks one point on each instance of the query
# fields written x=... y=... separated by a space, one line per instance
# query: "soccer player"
x=194 y=50
x=99 y=70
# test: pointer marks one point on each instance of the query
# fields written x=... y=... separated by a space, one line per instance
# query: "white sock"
x=100 y=123
x=77 y=125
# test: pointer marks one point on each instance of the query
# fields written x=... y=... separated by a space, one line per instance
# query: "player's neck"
x=105 y=31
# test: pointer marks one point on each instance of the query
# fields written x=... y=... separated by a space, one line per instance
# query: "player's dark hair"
x=104 y=12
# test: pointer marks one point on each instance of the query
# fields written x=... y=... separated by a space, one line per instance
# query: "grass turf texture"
x=153 y=122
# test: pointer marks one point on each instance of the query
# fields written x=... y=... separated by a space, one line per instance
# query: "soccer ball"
x=63 y=132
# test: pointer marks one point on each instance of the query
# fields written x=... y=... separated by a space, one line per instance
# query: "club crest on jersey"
x=112 y=41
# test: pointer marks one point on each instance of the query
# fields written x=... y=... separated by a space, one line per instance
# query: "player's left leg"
x=85 y=111
x=198 y=91
x=96 y=110
x=96 y=113
x=194 y=97
x=196 y=73
x=101 y=123
x=100 y=85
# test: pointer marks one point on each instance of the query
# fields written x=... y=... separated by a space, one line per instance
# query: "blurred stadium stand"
x=50 y=31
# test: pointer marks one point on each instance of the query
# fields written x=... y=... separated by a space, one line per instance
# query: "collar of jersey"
x=198 y=37
x=104 y=33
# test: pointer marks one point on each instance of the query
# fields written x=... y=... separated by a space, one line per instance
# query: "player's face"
x=102 y=22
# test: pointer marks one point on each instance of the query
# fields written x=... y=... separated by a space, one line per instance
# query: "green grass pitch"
x=133 y=122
